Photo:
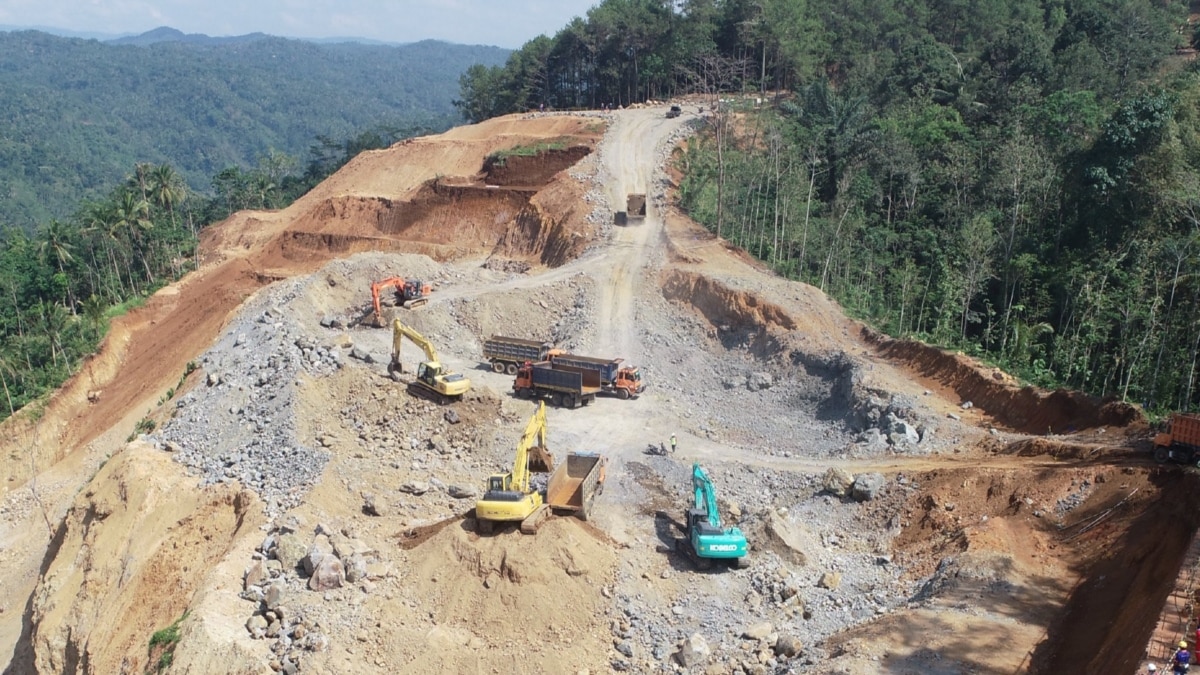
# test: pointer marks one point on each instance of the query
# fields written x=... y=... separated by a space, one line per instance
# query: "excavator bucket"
x=540 y=460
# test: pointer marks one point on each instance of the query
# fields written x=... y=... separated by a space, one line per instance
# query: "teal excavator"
x=707 y=540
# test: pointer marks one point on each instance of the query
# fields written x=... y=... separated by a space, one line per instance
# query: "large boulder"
x=290 y=550
x=866 y=486
x=693 y=651
x=837 y=481
x=328 y=575
x=320 y=549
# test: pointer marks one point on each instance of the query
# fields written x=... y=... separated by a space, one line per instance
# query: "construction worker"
x=673 y=442
x=1182 y=659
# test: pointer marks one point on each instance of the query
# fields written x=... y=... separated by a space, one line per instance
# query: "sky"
x=503 y=23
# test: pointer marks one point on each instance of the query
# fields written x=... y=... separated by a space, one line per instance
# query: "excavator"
x=409 y=292
x=707 y=540
x=433 y=380
x=510 y=497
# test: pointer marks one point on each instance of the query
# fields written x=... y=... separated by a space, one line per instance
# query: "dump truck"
x=572 y=489
x=506 y=354
x=635 y=209
x=565 y=386
x=1181 y=440
x=623 y=381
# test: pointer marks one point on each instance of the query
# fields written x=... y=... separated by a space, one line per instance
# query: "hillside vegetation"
x=77 y=114
x=1014 y=179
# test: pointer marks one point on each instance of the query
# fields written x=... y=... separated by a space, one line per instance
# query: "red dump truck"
x=1181 y=441
x=564 y=386
x=572 y=489
x=624 y=381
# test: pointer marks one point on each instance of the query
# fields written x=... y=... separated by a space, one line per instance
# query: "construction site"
x=296 y=471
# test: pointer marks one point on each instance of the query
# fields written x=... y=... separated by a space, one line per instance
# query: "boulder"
x=356 y=568
x=837 y=481
x=374 y=506
x=256 y=574
x=416 y=487
x=461 y=492
x=866 y=486
x=830 y=580
x=328 y=575
x=275 y=595
x=787 y=646
x=361 y=354
x=694 y=651
x=320 y=549
x=451 y=416
x=290 y=550
x=257 y=625
x=758 y=631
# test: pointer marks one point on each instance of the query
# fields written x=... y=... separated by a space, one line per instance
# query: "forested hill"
x=1017 y=179
x=76 y=114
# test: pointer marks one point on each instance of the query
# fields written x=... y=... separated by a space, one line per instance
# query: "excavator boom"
x=704 y=496
x=433 y=380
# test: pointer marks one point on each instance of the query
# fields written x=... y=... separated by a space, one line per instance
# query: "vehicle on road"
x=623 y=381
x=564 y=386
x=1181 y=440
x=410 y=293
x=506 y=354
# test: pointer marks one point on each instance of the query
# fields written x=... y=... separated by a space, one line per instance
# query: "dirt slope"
x=969 y=558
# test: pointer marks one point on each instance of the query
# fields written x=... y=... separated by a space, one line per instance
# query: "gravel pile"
x=240 y=423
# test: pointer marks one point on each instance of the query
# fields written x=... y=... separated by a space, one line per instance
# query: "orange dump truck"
x=1181 y=441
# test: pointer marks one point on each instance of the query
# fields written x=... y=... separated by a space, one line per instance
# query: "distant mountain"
x=166 y=34
x=76 y=115
x=84 y=35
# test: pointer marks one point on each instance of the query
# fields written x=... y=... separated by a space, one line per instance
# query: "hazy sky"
x=506 y=23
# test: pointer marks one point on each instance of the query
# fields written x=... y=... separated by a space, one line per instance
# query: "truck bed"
x=1185 y=429
x=573 y=484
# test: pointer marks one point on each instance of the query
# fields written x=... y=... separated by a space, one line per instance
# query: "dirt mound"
x=1024 y=409
x=548 y=585
x=143 y=535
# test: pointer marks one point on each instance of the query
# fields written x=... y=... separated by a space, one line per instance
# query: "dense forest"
x=76 y=114
x=62 y=283
x=1019 y=180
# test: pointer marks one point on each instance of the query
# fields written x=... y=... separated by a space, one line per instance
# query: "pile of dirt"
x=136 y=544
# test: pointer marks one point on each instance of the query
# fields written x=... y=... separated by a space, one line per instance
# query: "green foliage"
x=527 y=150
x=145 y=425
x=62 y=285
x=77 y=113
x=164 y=642
x=1014 y=181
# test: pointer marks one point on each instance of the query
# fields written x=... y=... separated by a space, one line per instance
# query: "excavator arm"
x=704 y=495
x=531 y=451
x=399 y=332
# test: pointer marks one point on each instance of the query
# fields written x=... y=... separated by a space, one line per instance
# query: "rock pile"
x=240 y=424
x=290 y=561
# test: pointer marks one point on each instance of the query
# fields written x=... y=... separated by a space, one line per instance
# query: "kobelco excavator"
x=706 y=539
x=433 y=381
x=510 y=497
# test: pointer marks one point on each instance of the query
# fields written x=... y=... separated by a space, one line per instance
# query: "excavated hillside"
x=296 y=509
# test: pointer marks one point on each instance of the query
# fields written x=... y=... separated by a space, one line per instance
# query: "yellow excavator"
x=433 y=380
x=510 y=498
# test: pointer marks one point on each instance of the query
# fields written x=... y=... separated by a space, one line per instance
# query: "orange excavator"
x=410 y=293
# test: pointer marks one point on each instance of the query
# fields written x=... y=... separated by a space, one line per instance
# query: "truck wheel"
x=497 y=367
x=623 y=394
x=557 y=399
x=511 y=369
x=1161 y=454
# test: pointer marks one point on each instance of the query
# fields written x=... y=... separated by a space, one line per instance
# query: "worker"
x=673 y=442
x=1182 y=659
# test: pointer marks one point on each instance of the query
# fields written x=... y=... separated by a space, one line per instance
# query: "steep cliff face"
x=137 y=543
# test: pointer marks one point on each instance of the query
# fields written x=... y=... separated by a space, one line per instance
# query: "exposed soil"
x=1025 y=533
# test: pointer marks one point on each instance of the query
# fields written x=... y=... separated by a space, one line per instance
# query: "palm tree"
x=132 y=215
x=100 y=219
x=55 y=245
x=167 y=190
